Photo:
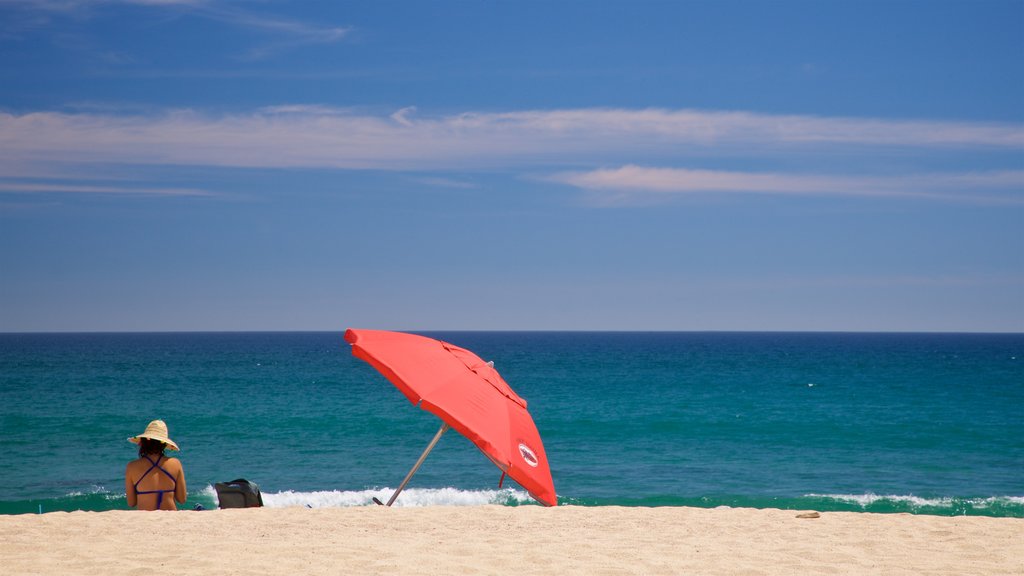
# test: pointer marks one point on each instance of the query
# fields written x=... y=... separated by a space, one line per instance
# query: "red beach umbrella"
x=467 y=394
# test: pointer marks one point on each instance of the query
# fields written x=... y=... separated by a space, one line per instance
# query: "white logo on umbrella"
x=528 y=455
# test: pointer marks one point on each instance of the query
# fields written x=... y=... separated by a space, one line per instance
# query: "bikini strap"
x=159 y=493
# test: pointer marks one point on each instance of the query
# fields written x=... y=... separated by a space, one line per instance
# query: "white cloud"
x=402 y=116
x=322 y=137
x=724 y=128
x=298 y=32
x=47 y=187
x=440 y=182
x=308 y=32
x=303 y=110
x=623 y=183
x=71 y=6
x=53 y=144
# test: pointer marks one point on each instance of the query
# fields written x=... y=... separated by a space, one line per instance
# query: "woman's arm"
x=129 y=488
x=180 y=492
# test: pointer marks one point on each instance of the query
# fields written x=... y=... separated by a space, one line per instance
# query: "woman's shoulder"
x=165 y=461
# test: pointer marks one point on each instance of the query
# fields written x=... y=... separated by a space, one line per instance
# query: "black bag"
x=238 y=494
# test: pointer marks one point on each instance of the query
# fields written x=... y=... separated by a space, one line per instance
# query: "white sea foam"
x=411 y=497
x=95 y=490
x=865 y=500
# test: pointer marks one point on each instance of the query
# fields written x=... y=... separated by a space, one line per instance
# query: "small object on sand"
x=809 y=515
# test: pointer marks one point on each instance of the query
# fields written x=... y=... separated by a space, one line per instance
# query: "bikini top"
x=159 y=493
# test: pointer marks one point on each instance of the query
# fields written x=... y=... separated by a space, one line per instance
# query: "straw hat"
x=156 y=430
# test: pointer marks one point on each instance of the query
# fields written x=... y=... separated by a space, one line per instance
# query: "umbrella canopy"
x=467 y=394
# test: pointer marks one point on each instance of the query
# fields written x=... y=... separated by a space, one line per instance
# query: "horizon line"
x=518 y=330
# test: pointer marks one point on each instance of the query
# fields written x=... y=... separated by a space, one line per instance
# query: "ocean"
x=919 y=423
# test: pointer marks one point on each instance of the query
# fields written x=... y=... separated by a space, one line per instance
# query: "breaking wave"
x=410 y=497
x=994 y=505
x=99 y=499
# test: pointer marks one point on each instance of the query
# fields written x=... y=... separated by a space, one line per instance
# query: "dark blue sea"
x=920 y=423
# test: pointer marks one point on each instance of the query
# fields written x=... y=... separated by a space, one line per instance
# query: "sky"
x=179 y=165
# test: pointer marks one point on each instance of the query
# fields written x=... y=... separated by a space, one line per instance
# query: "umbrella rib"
x=513 y=398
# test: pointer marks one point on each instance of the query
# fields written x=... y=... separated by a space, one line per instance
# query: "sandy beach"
x=503 y=540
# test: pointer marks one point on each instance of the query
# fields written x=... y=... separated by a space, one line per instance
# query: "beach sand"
x=501 y=540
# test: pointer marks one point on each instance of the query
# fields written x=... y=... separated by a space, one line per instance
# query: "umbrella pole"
x=444 y=428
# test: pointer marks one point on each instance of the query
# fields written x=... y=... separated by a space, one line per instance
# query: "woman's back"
x=154 y=481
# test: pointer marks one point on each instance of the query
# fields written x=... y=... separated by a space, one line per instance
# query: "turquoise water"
x=921 y=423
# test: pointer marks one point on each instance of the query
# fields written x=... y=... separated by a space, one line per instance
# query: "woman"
x=154 y=481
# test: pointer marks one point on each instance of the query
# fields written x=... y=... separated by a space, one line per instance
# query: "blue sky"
x=271 y=165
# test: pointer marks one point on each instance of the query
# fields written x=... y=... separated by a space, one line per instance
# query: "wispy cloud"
x=289 y=33
x=304 y=30
x=52 y=188
x=723 y=128
x=293 y=32
x=440 y=182
x=329 y=138
x=45 y=144
x=627 y=182
x=78 y=7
